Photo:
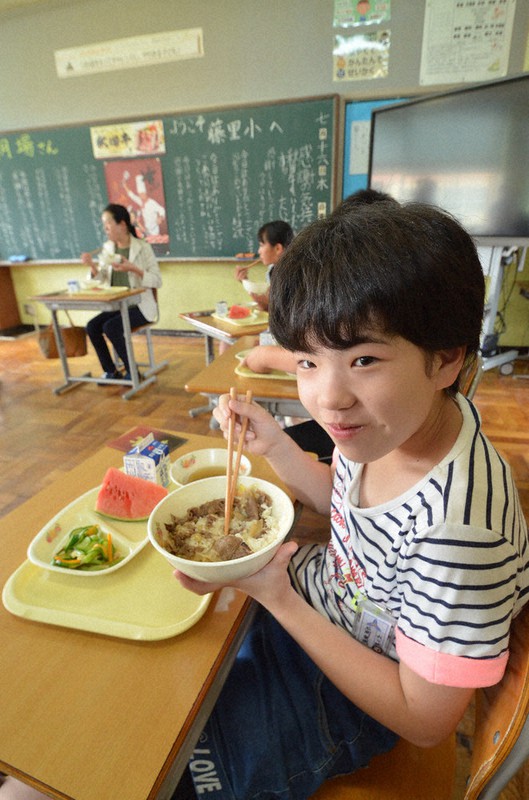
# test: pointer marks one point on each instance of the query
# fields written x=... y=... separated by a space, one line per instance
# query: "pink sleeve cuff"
x=447 y=669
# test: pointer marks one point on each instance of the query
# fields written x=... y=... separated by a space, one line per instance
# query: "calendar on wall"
x=465 y=41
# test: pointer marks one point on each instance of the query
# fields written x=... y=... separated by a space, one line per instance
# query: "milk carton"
x=149 y=460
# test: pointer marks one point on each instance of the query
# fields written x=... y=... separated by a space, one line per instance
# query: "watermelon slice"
x=127 y=497
x=239 y=312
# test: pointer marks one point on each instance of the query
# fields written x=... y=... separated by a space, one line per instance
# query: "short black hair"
x=276 y=232
x=406 y=270
x=364 y=196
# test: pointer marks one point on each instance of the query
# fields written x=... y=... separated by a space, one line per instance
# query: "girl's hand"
x=241 y=272
x=263 y=432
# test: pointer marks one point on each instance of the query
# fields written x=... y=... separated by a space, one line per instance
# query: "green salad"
x=88 y=548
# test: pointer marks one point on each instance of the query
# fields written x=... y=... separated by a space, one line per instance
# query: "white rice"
x=201 y=532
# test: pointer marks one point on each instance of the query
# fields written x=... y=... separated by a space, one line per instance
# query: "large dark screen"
x=466 y=151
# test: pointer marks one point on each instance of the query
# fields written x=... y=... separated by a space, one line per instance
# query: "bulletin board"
x=217 y=174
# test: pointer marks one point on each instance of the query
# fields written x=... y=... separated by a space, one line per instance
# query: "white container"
x=149 y=460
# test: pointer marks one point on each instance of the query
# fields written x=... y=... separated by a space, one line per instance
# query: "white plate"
x=128 y=537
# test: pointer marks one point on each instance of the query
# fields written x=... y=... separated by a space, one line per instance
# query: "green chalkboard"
x=217 y=174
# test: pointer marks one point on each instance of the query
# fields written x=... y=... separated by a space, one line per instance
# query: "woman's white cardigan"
x=142 y=256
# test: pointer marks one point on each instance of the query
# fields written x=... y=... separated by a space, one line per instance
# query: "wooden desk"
x=280 y=397
x=226 y=332
x=106 y=300
x=94 y=717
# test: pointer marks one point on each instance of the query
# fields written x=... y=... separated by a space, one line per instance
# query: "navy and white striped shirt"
x=448 y=559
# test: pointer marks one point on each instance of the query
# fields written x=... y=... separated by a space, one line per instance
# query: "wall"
x=254 y=52
x=187 y=286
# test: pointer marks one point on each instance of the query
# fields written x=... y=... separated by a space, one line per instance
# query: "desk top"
x=68 y=694
x=219 y=329
x=220 y=375
x=100 y=295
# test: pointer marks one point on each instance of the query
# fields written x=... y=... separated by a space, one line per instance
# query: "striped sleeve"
x=458 y=587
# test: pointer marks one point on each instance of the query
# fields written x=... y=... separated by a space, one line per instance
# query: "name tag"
x=375 y=627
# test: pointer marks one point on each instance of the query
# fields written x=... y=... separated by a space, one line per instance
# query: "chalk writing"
x=8 y=236
x=48 y=224
x=5 y=148
x=225 y=172
x=287 y=174
x=218 y=131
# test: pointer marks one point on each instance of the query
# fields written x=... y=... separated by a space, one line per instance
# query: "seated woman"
x=132 y=264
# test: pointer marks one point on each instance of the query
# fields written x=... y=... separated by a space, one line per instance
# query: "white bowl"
x=208 y=463
x=255 y=287
x=193 y=494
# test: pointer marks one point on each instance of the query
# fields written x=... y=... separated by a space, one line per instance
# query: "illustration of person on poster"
x=151 y=213
x=361 y=12
x=138 y=185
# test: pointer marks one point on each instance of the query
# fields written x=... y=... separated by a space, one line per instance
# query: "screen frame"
x=489 y=240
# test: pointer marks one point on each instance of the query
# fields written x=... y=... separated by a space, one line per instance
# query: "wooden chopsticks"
x=232 y=470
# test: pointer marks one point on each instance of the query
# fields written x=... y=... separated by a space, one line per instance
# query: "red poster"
x=137 y=184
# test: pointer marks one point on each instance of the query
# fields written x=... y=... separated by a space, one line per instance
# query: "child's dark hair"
x=276 y=232
x=364 y=196
x=121 y=214
x=406 y=270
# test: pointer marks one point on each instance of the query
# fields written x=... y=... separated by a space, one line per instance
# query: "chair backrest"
x=470 y=377
x=501 y=737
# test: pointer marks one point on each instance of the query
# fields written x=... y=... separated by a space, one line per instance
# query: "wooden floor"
x=44 y=435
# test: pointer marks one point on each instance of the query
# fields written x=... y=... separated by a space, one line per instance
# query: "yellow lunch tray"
x=142 y=601
x=255 y=318
x=246 y=372
x=97 y=290
x=276 y=374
